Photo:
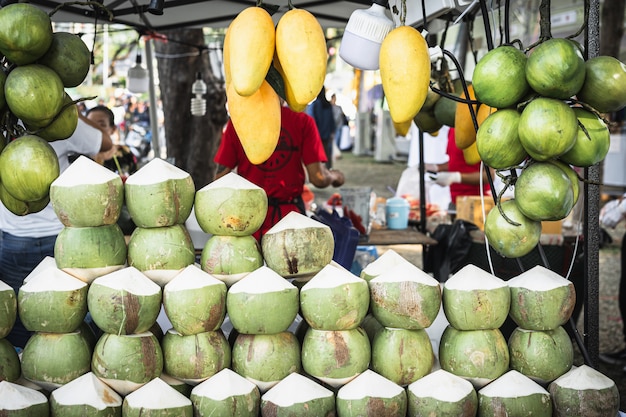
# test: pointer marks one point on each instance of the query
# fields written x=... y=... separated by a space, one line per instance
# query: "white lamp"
x=198 y=103
x=137 y=77
x=365 y=31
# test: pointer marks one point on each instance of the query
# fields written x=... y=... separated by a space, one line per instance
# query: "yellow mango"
x=256 y=119
x=301 y=50
x=251 y=44
x=471 y=155
x=464 y=129
x=402 y=129
x=226 y=56
x=289 y=96
x=404 y=72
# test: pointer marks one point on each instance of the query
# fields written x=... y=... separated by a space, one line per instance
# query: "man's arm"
x=322 y=177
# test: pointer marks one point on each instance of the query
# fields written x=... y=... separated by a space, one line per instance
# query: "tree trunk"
x=191 y=140
x=612 y=27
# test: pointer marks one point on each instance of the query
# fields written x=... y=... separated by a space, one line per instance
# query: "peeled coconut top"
x=226 y=383
x=295 y=389
x=471 y=277
x=233 y=181
x=584 y=377
x=406 y=272
x=45 y=263
x=369 y=384
x=331 y=277
x=260 y=281
x=512 y=384
x=52 y=278
x=156 y=171
x=84 y=171
x=295 y=220
x=538 y=278
x=384 y=263
x=129 y=279
x=192 y=277
x=442 y=386
x=157 y=395
x=17 y=397
x=87 y=389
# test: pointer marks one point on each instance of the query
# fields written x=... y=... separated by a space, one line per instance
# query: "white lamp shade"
x=137 y=79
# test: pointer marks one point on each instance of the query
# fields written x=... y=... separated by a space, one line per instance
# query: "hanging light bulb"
x=137 y=77
x=198 y=103
x=365 y=31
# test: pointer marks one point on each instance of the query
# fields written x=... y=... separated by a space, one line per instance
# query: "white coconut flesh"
x=584 y=378
x=382 y=264
x=192 y=278
x=156 y=171
x=84 y=171
x=261 y=281
x=87 y=389
x=442 y=386
x=5 y=287
x=406 y=272
x=45 y=263
x=156 y=395
x=369 y=384
x=51 y=278
x=471 y=277
x=129 y=279
x=296 y=220
x=232 y=181
x=538 y=278
x=512 y=384
x=224 y=384
x=332 y=277
x=295 y=389
x=17 y=397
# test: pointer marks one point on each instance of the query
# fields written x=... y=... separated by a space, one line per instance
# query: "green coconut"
x=10 y=368
x=90 y=252
x=226 y=394
x=371 y=394
x=52 y=301
x=402 y=355
x=441 y=393
x=124 y=302
x=266 y=359
x=542 y=355
x=388 y=260
x=127 y=362
x=45 y=264
x=159 y=194
x=19 y=401
x=262 y=303
x=230 y=258
x=541 y=299
x=474 y=299
x=87 y=194
x=8 y=309
x=371 y=326
x=334 y=299
x=156 y=398
x=405 y=297
x=51 y=360
x=180 y=386
x=231 y=206
x=479 y=356
x=194 y=301
x=298 y=246
x=161 y=252
x=197 y=357
x=335 y=357
x=514 y=394
x=86 y=395
x=297 y=395
x=584 y=392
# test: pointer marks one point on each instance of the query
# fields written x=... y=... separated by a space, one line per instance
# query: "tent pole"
x=154 y=122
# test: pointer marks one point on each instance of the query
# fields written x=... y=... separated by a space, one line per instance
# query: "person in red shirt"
x=298 y=155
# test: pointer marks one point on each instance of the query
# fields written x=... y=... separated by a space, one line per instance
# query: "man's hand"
x=337 y=178
x=444 y=179
x=613 y=212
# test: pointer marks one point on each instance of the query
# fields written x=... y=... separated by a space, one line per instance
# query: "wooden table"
x=408 y=236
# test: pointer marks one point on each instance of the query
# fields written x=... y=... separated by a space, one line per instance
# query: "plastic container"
x=397 y=210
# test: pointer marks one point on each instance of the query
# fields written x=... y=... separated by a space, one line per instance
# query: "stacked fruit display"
x=476 y=305
x=231 y=209
x=9 y=361
x=159 y=197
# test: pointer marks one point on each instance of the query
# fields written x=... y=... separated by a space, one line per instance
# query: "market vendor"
x=283 y=175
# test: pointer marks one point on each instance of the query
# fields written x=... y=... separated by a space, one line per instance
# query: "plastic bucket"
x=397 y=212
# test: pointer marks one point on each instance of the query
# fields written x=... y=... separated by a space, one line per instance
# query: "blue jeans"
x=18 y=257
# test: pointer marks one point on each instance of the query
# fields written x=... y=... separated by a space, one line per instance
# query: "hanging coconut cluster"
x=231 y=209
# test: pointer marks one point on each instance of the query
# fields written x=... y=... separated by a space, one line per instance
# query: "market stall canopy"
x=191 y=13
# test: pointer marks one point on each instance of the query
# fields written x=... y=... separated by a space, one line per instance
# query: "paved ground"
x=364 y=171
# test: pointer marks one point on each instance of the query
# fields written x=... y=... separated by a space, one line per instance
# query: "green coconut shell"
x=85 y=396
x=371 y=394
x=311 y=400
x=8 y=309
x=20 y=401
x=170 y=403
x=10 y=367
x=441 y=393
x=226 y=394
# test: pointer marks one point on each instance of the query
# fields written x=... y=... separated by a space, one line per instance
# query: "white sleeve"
x=85 y=140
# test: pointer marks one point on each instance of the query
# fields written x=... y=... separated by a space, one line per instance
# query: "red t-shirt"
x=457 y=164
x=283 y=175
